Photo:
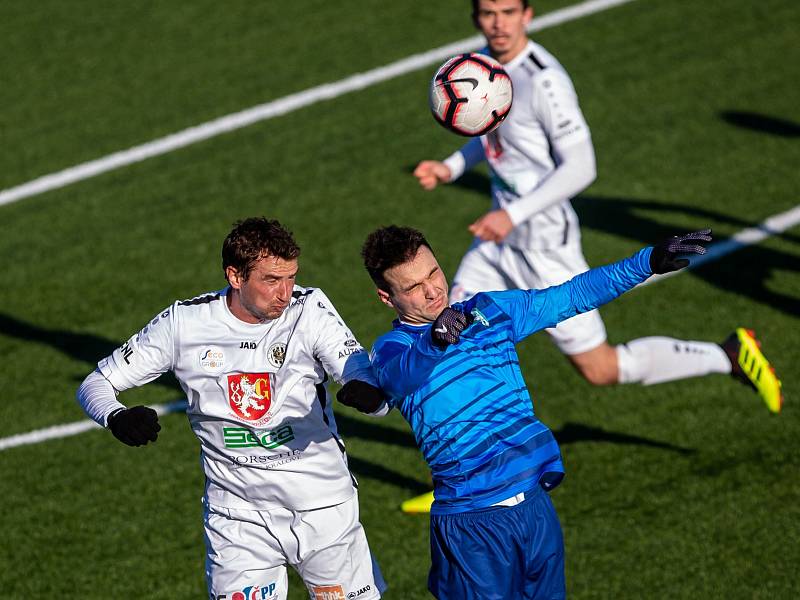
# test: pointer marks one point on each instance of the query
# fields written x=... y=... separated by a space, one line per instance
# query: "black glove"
x=360 y=395
x=664 y=259
x=447 y=327
x=134 y=426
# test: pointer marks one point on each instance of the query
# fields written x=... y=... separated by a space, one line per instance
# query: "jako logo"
x=363 y=590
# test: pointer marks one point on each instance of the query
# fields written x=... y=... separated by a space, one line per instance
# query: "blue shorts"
x=499 y=552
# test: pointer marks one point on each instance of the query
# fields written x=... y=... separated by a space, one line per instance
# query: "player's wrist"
x=455 y=163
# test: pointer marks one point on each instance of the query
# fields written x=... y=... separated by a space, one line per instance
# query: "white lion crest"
x=245 y=397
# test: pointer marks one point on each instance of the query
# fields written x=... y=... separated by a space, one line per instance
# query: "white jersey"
x=257 y=396
x=545 y=114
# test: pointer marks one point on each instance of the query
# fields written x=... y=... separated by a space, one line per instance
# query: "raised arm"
x=533 y=310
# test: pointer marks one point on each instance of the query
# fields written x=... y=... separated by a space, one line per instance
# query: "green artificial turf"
x=682 y=490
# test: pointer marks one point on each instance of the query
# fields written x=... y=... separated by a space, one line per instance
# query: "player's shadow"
x=746 y=271
x=85 y=347
x=761 y=123
x=572 y=433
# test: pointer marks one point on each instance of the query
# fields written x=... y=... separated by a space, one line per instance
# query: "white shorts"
x=488 y=266
x=248 y=550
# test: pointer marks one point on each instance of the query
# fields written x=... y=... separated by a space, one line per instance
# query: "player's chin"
x=437 y=306
x=275 y=311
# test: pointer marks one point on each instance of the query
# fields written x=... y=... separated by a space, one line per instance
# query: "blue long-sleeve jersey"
x=468 y=404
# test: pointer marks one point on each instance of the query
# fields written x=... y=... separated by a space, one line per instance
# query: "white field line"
x=70 y=429
x=772 y=226
x=281 y=106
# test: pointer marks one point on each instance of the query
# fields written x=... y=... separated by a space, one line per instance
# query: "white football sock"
x=658 y=359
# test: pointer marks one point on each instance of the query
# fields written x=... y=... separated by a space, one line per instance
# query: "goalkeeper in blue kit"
x=454 y=374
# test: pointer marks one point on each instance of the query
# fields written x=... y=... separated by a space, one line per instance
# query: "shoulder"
x=301 y=295
x=542 y=70
x=207 y=300
x=197 y=307
x=397 y=337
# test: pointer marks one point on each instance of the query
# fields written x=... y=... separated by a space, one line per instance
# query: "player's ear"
x=234 y=277
x=527 y=15
x=384 y=297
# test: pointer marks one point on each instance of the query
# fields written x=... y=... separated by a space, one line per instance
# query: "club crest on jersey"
x=250 y=397
x=479 y=317
x=276 y=354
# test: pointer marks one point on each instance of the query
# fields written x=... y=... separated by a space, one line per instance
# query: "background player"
x=539 y=157
x=454 y=374
x=252 y=360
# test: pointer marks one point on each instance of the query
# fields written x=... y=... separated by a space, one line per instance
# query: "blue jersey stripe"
x=468 y=404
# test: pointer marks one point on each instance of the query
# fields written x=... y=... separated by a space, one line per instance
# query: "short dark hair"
x=525 y=4
x=254 y=238
x=388 y=247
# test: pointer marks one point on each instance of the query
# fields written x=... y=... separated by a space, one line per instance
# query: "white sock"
x=658 y=359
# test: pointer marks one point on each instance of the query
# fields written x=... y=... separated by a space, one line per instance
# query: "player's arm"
x=133 y=426
x=575 y=172
x=431 y=173
x=141 y=359
x=533 y=310
x=345 y=359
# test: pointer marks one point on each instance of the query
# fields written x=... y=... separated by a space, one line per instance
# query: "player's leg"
x=479 y=271
x=544 y=576
x=332 y=554
x=243 y=560
x=498 y=553
x=657 y=359
x=583 y=337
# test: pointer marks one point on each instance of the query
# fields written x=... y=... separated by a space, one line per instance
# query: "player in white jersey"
x=540 y=157
x=253 y=360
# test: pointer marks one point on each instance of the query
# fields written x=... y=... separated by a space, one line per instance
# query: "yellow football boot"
x=751 y=366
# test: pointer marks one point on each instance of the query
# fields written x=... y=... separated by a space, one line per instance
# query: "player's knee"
x=599 y=376
x=601 y=369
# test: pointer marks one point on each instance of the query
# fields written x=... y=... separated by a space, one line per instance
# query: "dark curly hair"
x=388 y=247
x=254 y=238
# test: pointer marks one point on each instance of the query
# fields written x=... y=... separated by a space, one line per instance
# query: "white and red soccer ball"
x=471 y=94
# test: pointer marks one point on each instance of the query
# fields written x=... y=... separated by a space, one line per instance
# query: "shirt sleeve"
x=576 y=170
x=469 y=155
x=98 y=398
x=402 y=362
x=144 y=356
x=533 y=310
x=335 y=346
x=556 y=107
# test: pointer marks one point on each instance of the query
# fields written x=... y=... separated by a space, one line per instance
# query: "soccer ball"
x=471 y=94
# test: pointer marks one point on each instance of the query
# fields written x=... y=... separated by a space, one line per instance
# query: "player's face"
x=266 y=292
x=503 y=23
x=418 y=289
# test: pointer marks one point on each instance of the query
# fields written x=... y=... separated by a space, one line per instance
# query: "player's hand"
x=664 y=258
x=494 y=226
x=134 y=426
x=431 y=173
x=447 y=327
x=360 y=395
